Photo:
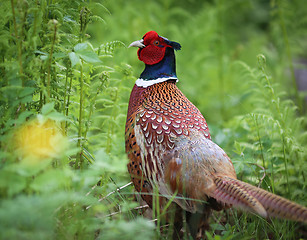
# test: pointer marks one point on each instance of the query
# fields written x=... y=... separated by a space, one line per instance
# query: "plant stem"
x=64 y=99
x=54 y=22
x=67 y=105
x=259 y=139
x=19 y=47
x=79 y=157
x=65 y=90
x=280 y=117
x=83 y=23
x=104 y=77
x=19 y=44
x=285 y=162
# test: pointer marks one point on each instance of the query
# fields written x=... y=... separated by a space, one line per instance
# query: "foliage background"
x=242 y=63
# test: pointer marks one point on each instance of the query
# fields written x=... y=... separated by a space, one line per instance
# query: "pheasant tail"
x=264 y=203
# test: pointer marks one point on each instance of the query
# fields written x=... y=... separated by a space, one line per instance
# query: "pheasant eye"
x=156 y=43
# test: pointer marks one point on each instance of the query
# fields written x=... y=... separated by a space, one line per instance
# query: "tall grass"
x=53 y=78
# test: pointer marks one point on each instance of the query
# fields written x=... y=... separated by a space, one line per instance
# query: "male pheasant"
x=170 y=148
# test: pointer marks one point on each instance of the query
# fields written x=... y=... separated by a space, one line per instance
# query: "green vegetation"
x=66 y=72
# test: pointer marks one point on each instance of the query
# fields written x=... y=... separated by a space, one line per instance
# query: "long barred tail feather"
x=264 y=203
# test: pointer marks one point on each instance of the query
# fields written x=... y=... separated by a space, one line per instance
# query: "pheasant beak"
x=139 y=43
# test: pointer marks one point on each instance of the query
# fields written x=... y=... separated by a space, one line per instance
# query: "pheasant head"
x=158 y=55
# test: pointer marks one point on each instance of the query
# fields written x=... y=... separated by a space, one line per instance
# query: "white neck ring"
x=146 y=83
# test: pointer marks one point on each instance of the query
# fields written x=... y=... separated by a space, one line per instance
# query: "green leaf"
x=16 y=182
x=86 y=52
x=51 y=180
x=89 y=56
x=22 y=117
x=74 y=58
x=43 y=57
x=48 y=108
x=25 y=169
x=40 y=52
x=80 y=47
x=26 y=99
x=56 y=116
x=26 y=91
x=59 y=55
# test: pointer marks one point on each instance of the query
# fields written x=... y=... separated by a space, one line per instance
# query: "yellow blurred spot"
x=39 y=140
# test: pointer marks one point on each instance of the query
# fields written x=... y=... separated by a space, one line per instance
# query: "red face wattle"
x=154 y=49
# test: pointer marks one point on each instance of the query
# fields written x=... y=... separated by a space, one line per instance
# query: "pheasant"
x=169 y=146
